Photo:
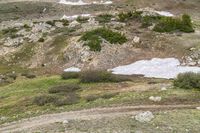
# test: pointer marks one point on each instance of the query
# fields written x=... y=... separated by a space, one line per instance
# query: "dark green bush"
x=93 y=38
x=149 y=20
x=125 y=16
x=188 y=81
x=52 y=23
x=64 y=88
x=92 y=98
x=169 y=24
x=108 y=95
x=104 y=18
x=82 y=19
x=99 y=76
x=65 y=22
x=70 y=75
x=41 y=39
x=44 y=99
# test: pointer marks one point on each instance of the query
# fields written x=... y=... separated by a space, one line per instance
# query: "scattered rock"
x=155 y=99
x=74 y=24
x=59 y=24
x=144 y=116
x=13 y=42
x=198 y=108
x=163 y=88
x=3 y=118
x=136 y=39
x=65 y=122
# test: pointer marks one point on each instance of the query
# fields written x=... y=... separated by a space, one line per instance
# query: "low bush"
x=99 y=76
x=90 y=98
x=169 y=24
x=70 y=75
x=104 y=18
x=188 y=81
x=82 y=19
x=125 y=16
x=64 y=88
x=69 y=99
x=41 y=39
x=52 y=23
x=44 y=99
x=29 y=75
x=93 y=38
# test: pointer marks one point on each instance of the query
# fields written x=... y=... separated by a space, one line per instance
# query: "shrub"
x=52 y=23
x=149 y=20
x=41 y=39
x=12 y=76
x=44 y=99
x=82 y=19
x=28 y=75
x=70 y=75
x=9 y=30
x=65 y=22
x=90 y=98
x=64 y=88
x=93 y=38
x=104 y=18
x=99 y=76
x=69 y=99
x=26 y=26
x=188 y=81
x=125 y=16
x=169 y=24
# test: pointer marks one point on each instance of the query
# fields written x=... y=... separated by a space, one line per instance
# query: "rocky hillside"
x=48 y=34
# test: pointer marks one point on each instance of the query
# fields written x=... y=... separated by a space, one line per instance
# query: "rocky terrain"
x=143 y=44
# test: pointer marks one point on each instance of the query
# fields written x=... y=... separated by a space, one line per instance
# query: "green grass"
x=93 y=38
x=16 y=100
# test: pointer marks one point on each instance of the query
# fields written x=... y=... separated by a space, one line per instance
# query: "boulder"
x=144 y=117
x=155 y=99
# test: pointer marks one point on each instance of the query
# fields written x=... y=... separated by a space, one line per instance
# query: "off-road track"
x=96 y=113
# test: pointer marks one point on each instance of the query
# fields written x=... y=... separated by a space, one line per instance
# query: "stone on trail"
x=144 y=116
x=155 y=99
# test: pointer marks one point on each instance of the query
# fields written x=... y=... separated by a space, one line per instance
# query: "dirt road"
x=96 y=113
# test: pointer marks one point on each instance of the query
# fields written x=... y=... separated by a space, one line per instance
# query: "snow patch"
x=165 y=13
x=75 y=16
x=80 y=2
x=166 y=68
x=72 y=69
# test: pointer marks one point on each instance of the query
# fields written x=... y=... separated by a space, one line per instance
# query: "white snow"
x=80 y=2
x=165 y=13
x=72 y=69
x=157 y=68
x=75 y=16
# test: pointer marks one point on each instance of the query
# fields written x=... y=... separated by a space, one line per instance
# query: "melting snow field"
x=156 y=68
x=72 y=69
x=165 y=13
x=75 y=16
x=80 y=2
